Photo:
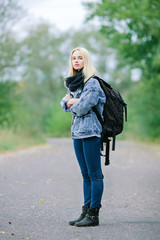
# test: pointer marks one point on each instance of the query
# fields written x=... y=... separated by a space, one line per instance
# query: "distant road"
x=41 y=190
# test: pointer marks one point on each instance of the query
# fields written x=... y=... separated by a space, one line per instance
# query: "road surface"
x=41 y=190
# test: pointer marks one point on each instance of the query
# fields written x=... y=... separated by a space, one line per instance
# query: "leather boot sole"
x=93 y=224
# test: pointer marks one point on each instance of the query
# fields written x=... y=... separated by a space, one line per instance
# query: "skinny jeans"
x=87 y=151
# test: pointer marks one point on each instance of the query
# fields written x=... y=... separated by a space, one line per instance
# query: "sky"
x=64 y=14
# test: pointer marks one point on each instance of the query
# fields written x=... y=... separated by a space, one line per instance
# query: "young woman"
x=84 y=92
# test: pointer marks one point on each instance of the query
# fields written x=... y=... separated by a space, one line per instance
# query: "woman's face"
x=77 y=60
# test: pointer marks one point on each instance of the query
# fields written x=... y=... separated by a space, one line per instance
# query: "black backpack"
x=112 y=124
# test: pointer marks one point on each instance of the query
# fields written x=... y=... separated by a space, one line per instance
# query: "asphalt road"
x=41 y=190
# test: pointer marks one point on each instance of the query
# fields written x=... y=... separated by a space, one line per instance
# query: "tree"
x=132 y=29
x=10 y=14
x=10 y=60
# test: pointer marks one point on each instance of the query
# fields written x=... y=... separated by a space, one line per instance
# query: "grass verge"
x=10 y=141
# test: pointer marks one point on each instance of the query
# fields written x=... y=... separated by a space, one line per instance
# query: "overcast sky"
x=64 y=14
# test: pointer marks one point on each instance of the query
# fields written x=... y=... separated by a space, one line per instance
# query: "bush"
x=58 y=123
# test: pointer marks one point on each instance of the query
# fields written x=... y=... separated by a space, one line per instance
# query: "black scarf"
x=76 y=81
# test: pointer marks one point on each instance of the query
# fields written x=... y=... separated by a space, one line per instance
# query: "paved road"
x=41 y=190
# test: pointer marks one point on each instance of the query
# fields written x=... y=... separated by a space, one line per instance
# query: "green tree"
x=10 y=13
x=132 y=29
x=44 y=66
x=7 y=101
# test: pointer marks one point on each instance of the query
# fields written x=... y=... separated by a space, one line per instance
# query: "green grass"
x=10 y=141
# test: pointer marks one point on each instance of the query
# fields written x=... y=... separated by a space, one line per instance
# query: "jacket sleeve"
x=88 y=99
x=63 y=105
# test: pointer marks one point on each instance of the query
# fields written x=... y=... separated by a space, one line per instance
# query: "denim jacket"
x=85 y=122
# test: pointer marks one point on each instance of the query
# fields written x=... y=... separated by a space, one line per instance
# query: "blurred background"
x=36 y=38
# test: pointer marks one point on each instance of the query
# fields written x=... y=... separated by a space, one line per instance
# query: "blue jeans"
x=88 y=155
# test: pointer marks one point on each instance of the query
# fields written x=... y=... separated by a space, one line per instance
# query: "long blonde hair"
x=88 y=70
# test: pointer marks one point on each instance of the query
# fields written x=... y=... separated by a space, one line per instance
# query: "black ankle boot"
x=83 y=214
x=91 y=218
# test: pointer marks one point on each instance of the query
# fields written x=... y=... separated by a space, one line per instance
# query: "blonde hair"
x=88 y=70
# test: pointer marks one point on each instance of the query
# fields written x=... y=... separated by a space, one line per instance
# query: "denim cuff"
x=63 y=105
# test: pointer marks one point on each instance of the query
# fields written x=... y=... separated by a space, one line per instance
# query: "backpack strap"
x=106 y=155
x=100 y=81
x=98 y=115
x=107 y=152
x=125 y=108
x=114 y=139
x=107 y=141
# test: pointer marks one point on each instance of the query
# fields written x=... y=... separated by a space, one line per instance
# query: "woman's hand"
x=71 y=102
x=67 y=97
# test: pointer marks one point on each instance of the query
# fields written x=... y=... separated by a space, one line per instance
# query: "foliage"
x=10 y=60
x=145 y=110
x=10 y=13
x=58 y=123
x=132 y=29
x=7 y=101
